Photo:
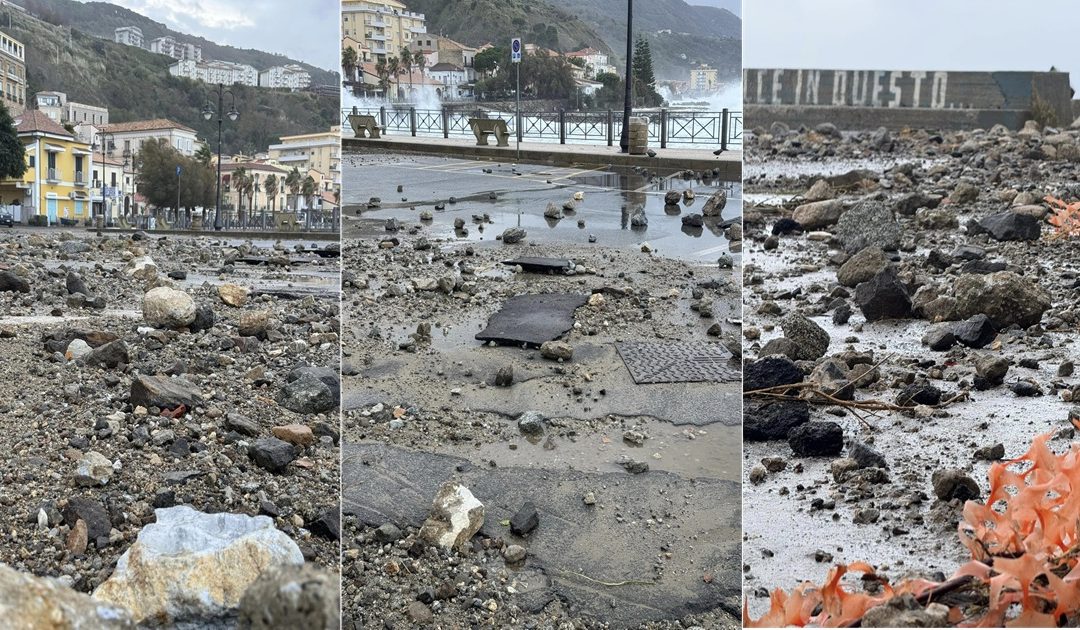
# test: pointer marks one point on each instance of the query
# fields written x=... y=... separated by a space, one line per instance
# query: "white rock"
x=165 y=307
x=456 y=516
x=195 y=566
x=93 y=469
x=32 y=602
x=77 y=349
x=143 y=268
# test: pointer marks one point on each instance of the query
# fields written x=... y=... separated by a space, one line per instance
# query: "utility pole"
x=624 y=141
x=515 y=57
x=177 y=217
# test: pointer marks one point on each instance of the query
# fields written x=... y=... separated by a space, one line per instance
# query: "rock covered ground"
x=145 y=373
x=567 y=440
x=918 y=269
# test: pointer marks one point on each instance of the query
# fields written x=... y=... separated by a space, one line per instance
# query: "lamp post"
x=208 y=113
x=103 y=142
x=624 y=141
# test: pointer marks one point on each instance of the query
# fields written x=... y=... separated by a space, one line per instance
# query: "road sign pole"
x=515 y=57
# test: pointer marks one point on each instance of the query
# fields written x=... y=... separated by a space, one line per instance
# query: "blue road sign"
x=515 y=50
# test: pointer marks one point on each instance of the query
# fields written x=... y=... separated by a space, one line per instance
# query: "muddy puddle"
x=712 y=452
x=522 y=193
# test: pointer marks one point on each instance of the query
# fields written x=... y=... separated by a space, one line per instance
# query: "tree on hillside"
x=489 y=61
x=644 y=77
x=12 y=152
x=349 y=61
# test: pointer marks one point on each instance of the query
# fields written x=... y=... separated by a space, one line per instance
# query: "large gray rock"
x=165 y=307
x=870 y=223
x=190 y=566
x=164 y=392
x=883 y=297
x=32 y=602
x=1010 y=226
x=288 y=596
x=862 y=266
x=1005 y=297
x=13 y=283
x=811 y=341
x=312 y=390
x=715 y=204
x=456 y=516
x=819 y=214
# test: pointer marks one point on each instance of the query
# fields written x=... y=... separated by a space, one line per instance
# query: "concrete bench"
x=484 y=127
x=364 y=126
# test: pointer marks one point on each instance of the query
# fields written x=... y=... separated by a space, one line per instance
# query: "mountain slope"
x=135 y=84
x=101 y=19
x=477 y=22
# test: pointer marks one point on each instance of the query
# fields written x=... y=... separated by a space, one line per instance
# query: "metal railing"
x=666 y=127
x=53 y=175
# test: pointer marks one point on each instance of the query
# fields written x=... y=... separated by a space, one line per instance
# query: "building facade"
x=595 y=62
x=319 y=152
x=56 y=106
x=384 y=26
x=12 y=74
x=129 y=36
x=56 y=182
x=169 y=47
x=704 y=78
x=224 y=72
x=130 y=136
x=292 y=77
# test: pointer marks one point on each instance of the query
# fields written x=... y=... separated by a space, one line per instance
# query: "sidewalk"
x=729 y=163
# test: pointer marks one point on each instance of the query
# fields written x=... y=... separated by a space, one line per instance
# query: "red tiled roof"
x=33 y=120
x=145 y=125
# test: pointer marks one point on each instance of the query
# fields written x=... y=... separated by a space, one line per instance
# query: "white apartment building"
x=320 y=152
x=291 y=76
x=130 y=136
x=383 y=26
x=169 y=47
x=56 y=106
x=224 y=72
x=129 y=36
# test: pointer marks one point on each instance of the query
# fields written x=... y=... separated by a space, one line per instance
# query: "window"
x=52 y=160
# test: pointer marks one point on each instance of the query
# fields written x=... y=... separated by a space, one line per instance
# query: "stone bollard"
x=639 y=136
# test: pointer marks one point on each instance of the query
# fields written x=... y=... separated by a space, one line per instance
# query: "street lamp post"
x=624 y=141
x=208 y=113
x=103 y=141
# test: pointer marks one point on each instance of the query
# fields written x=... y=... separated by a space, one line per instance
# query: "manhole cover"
x=679 y=362
x=533 y=319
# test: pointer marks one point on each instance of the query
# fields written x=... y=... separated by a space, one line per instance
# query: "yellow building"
x=312 y=152
x=704 y=79
x=12 y=74
x=56 y=182
x=382 y=26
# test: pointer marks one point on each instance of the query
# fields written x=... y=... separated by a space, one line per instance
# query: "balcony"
x=80 y=178
x=377 y=37
x=53 y=175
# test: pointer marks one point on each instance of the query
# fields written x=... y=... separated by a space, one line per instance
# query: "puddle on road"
x=50 y=320
x=610 y=195
x=711 y=452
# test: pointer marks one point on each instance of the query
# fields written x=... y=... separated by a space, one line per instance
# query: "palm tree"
x=393 y=67
x=308 y=188
x=270 y=186
x=349 y=62
x=407 y=65
x=203 y=154
x=240 y=183
x=293 y=181
x=383 y=72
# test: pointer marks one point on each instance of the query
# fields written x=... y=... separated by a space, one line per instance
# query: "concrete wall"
x=855 y=99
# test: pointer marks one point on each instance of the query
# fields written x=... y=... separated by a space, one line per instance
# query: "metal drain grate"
x=678 y=362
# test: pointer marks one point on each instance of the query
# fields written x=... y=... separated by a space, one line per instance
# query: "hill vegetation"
x=101 y=19
x=135 y=85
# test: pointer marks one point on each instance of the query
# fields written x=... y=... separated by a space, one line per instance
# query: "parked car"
x=7 y=219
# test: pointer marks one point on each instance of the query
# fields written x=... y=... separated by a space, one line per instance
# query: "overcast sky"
x=302 y=29
x=912 y=35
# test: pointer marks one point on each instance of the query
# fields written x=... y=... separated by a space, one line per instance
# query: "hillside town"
x=190 y=63
x=83 y=167
x=388 y=53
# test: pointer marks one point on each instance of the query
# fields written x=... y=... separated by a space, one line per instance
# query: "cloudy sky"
x=912 y=34
x=306 y=30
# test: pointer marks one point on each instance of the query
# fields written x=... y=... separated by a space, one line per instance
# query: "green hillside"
x=135 y=84
x=476 y=22
x=101 y=19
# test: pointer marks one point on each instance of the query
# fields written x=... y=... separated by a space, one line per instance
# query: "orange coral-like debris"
x=1066 y=217
x=1024 y=543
